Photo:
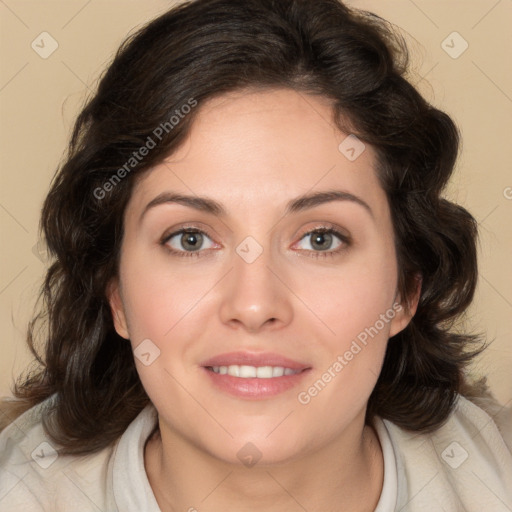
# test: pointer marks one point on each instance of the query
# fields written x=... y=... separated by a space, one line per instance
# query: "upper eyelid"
x=192 y=227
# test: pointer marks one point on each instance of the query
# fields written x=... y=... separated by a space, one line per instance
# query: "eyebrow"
x=301 y=203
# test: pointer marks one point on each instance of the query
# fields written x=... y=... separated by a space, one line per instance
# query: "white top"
x=464 y=466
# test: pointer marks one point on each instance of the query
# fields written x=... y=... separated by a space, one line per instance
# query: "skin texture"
x=253 y=152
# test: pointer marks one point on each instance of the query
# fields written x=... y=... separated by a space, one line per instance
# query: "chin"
x=250 y=447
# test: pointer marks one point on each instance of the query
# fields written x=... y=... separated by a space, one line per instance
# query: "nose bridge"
x=254 y=296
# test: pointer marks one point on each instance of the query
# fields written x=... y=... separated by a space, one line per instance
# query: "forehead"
x=260 y=148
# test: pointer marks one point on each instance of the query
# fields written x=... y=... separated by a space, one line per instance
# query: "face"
x=249 y=275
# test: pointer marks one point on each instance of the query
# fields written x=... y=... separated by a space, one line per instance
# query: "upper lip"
x=254 y=359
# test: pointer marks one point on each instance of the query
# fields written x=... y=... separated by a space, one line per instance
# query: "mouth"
x=251 y=372
x=254 y=376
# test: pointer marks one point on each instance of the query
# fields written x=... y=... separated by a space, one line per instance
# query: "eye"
x=324 y=240
x=187 y=241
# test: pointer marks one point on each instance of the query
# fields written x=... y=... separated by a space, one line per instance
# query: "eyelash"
x=323 y=229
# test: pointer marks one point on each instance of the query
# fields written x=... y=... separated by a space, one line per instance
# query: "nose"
x=255 y=296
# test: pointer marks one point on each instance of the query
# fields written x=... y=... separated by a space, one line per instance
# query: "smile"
x=259 y=372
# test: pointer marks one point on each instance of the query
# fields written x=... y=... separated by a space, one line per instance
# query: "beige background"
x=40 y=97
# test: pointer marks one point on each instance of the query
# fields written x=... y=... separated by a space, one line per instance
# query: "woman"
x=254 y=282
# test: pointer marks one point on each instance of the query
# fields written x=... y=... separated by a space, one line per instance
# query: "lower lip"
x=254 y=388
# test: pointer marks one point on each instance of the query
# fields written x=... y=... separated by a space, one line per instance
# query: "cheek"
x=351 y=297
x=356 y=309
x=159 y=296
x=168 y=312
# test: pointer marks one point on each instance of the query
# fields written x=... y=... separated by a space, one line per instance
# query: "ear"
x=405 y=309
x=117 y=308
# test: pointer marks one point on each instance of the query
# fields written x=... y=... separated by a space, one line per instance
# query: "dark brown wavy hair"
x=205 y=48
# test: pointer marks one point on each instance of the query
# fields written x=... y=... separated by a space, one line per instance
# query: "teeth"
x=264 y=372
x=277 y=371
x=247 y=372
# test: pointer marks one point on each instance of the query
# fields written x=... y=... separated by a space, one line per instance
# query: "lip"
x=254 y=388
x=254 y=359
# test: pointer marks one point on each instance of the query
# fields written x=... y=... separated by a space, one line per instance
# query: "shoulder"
x=501 y=415
x=33 y=476
x=466 y=464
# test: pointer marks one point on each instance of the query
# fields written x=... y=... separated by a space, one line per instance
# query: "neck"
x=184 y=477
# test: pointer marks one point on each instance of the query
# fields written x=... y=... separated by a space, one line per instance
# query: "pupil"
x=193 y=240
x=322 y=238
